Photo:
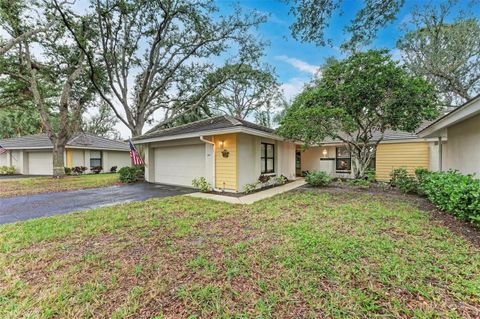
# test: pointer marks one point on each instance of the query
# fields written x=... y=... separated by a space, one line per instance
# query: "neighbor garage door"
x=178 y=165
x=40 y=163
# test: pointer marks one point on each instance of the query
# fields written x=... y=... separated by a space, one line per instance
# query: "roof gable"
x=80 y=140
x=210 y=124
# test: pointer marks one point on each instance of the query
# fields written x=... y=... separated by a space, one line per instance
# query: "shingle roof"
x=83 y=140
x=210 y=124
x=389 y=135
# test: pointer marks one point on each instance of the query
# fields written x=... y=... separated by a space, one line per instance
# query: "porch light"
x=222 y=143
x=324 y=152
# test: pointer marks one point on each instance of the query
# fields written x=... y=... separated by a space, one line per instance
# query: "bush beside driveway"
x=38 y=185
x=301 y=254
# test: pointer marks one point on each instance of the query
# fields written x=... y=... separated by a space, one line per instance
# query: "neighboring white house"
x=32 y=154
x=228 y=152
x=462 y=128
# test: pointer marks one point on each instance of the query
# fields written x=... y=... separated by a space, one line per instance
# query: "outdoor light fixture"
x=222 y=142
x=325 y=152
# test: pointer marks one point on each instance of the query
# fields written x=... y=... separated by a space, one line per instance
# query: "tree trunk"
x=58 y=160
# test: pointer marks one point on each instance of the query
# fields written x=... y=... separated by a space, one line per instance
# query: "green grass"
x=301 y=254
x=37 y=185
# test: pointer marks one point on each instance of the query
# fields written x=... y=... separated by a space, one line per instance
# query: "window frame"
x=348 y=159
x=264 y=158
x=96 y=158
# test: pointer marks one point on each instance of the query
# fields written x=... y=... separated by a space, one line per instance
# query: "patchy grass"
x=302 y=254
x=37 y=185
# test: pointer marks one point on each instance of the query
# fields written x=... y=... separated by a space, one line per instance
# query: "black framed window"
x=95 y=158
x=267 y=159
x=343 y=159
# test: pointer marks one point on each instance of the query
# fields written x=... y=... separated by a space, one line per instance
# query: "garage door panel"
x=40 y=163
x=178 y=165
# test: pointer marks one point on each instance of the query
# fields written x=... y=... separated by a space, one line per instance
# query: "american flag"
x=2 y=149
x=136 y=158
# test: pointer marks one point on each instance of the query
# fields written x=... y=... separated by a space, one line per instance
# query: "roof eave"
x=237 y=129
x=437 y=128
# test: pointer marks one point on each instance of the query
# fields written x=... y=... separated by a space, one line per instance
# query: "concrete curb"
x=252 y=198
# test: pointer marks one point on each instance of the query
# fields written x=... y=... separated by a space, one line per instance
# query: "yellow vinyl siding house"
x=410 y=156
x=228 y=152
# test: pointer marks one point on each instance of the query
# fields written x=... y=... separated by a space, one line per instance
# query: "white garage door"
x=40 y=163
x=178 y=165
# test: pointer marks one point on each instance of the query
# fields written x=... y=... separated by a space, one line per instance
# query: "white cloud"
x=293 y=87
x=299 y=64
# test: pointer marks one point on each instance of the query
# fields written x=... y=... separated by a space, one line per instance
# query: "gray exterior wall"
x=463 y=152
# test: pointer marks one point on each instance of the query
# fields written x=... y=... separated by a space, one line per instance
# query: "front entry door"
x=298 y=163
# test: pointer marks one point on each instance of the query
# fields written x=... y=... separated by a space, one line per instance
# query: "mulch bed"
x=457 y=226
x=238 y=195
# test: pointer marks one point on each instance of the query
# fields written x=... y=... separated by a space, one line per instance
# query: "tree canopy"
x=313 y=17
x=447 y=54
x=156 y=54
x=356 y=101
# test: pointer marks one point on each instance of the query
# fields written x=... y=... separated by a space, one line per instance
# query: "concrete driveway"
x=18 y=208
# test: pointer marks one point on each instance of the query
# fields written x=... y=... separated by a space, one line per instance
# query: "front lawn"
x=37 y=185
x=302 y=254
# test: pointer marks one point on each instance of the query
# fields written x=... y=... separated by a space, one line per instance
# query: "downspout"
x=440 y=154
x=213 y=161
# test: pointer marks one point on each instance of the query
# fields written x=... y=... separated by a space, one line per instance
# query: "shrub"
x=281 y=180
x=96 y=169
x=318 y=178
x=359 y=182
x=249 y=188
x=113 y=169
x=455 y=193
x=202 y=184
x=371 y=175
x=403 y=181
x=79 y=170
x=420 y=173
x=7 y=170
x=131 y=174
x=68 y=170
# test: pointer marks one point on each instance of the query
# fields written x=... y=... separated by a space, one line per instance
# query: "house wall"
x=4 y=159
x=409 y=155
x=249 y=163
x=226 y=167
x=313 y=159
x=79 y=158
x=286 y=159
x=435 y=156
x=464 y=146
x=115 y=158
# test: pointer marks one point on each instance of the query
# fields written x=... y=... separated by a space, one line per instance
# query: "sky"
x=296 y=63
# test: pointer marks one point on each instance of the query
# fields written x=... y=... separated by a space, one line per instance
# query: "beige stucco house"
x=462 y=129
x=228 y=152
x=32 y=155
x=397 y=149
x=231 y=153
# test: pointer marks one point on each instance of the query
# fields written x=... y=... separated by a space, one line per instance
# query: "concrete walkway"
x=252 y=198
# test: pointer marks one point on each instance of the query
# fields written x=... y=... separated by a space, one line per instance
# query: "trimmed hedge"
x=131 y=174
x=453 y=192
x=318 y=178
